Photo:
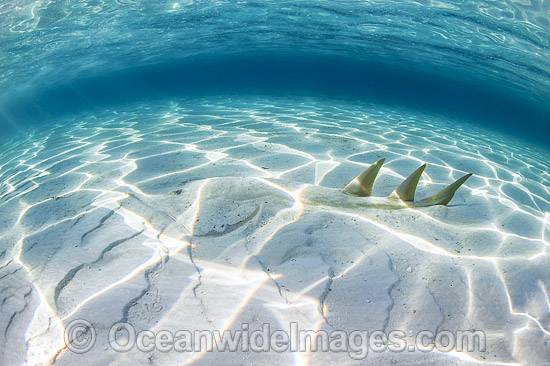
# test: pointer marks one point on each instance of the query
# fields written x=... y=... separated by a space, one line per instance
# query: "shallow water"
x=488 y=58
x=156 y=156
x=117 y=205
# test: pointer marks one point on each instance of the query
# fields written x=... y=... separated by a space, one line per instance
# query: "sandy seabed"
x=187 y=215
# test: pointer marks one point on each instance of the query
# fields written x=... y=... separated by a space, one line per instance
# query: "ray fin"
x=407 y=189
x=362 y=184
x=446 y=194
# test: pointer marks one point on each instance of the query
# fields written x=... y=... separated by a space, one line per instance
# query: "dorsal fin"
x=362 y=184
x=446 y=194
x=406 y=190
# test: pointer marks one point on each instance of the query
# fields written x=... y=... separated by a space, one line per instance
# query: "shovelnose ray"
x=358 y=193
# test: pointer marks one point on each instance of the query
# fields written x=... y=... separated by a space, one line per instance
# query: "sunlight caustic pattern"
x=189 y=216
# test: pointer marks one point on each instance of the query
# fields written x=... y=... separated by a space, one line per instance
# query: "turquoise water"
x=483 y=60
x=156 y=159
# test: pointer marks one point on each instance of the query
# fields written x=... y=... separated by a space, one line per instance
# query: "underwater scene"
x=274 y=182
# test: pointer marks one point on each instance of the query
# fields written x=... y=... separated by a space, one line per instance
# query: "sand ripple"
x=188 y=216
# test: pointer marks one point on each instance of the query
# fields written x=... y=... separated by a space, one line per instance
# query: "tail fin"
x=446 y=194
x=407 y=189
x=362 y=184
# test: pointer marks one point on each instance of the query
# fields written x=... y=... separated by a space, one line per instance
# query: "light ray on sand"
x=116 y=179
x=45 y=331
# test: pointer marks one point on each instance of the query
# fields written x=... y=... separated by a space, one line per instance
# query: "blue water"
x=179 y=165
x=484 y=62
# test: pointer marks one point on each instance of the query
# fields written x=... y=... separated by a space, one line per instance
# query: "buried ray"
x=250 y=199
x=359 y=192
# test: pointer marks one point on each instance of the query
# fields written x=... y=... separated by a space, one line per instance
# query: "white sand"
x=189 y=217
